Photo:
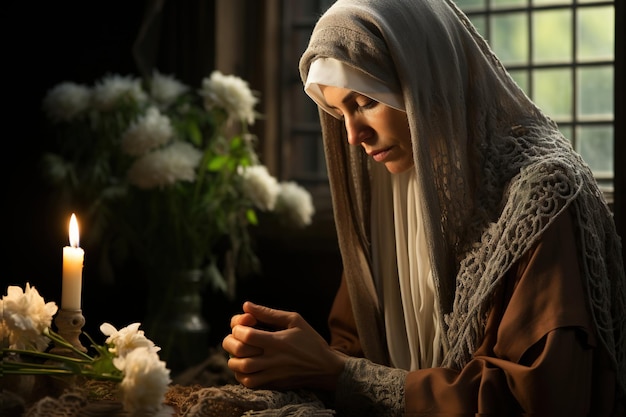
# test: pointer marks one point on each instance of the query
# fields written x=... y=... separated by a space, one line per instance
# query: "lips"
x=379 y=155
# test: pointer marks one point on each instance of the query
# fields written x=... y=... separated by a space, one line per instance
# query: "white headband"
x=332 y=72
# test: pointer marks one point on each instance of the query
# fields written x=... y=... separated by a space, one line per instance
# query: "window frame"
x=488 y=12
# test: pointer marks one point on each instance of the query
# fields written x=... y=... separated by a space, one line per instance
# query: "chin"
x=398 y=167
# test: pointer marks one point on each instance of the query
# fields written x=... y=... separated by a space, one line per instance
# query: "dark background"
x=45 y=43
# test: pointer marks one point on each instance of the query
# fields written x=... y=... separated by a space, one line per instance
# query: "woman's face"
x=381 y=130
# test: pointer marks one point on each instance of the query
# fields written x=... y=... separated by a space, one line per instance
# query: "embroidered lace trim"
x=368 y=389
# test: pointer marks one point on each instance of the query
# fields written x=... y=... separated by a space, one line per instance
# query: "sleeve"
x=368 y=389
x=537 y=354
x=555 y=383
x=343 y=332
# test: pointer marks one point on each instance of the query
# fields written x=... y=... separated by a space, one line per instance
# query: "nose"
x=358 y=131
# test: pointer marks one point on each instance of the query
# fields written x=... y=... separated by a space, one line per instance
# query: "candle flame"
x=73 y=231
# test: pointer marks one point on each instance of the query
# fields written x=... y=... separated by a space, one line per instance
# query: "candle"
x=73 y=257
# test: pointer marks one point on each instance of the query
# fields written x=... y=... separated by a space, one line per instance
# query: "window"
x=303 y=154
x=561 y=52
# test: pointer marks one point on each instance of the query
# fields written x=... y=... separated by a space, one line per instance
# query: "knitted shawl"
x=495 y=172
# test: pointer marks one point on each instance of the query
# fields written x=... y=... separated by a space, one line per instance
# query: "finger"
x=252 y=336
x=236 y=348
x=251 y=365
x=245 y=319
x=261 y=365
x=279 y=319
x=268 y=378
x=255 y=380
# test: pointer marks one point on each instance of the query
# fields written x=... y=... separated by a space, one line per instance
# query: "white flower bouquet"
x=164 y=173
x=127 y=357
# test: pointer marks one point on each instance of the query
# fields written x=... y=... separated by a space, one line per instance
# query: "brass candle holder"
x=69 y=325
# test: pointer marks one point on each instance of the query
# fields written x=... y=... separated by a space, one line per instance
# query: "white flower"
x=148 y=132
x=111 y=89
x=66 y=101
x=259 y=186
x=176 y=162
x=230 y=93
x=122 y=342
x=295 y=202
x=165 y=89
x=146 y=380
x=25 y=315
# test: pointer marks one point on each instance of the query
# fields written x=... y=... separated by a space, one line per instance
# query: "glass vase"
x=178 y=326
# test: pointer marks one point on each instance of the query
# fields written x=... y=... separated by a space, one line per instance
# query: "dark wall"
x=81 y=41
x=45 y=43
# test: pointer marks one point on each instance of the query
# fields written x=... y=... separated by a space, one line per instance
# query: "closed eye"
x=365 y=102
x=353 y=102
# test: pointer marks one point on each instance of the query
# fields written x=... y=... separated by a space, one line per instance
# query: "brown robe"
x=540 y=354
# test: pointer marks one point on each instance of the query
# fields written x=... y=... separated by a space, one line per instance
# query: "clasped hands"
x=290 y=355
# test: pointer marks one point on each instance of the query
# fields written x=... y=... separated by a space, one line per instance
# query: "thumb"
x=277 y=319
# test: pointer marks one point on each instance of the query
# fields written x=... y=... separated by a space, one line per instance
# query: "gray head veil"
x=494 y=170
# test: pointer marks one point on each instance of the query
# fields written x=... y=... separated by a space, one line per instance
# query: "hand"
x=291 y=355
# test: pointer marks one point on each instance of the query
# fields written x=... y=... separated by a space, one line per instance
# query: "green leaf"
x=251 y=216
x=236 y=143
x=194 y=132
x=217 y=163
x=104 y=366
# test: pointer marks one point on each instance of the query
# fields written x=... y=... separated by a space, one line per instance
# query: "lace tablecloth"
x=196 y=401
x=207 y=390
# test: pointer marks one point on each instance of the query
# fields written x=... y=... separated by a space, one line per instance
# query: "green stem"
x=59 y=340
x=50 y=356
x=76 y=366
x=201 y=173
x=37 y=371
x=16 y=366
x=59 y=371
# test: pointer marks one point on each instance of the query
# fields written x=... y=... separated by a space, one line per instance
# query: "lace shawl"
x=494 y=170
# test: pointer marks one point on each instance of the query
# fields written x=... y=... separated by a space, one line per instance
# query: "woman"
x=482 y=270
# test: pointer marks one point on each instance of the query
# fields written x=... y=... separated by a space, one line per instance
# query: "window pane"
x=298 y=42
x=521 y=78
x=595 y=92
x=595 y=145
x=509 y=37
x=470 y=4
x=550 y=2
x=302 y=109
x=307 y=149
x=507 y=3
x=595 y=34
x=480 y=23
x=552 y=36
x=566 y=131
x=308 y=9
x=552 y=92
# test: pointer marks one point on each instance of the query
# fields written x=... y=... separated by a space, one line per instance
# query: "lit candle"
x=73 y=257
